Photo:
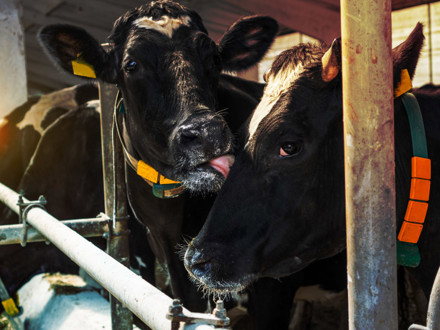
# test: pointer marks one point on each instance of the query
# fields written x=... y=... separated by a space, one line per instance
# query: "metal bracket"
x=24 y=209
x=218 y=317
x=111 y=228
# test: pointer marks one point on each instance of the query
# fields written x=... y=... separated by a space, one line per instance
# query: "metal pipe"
x=143 y=299
x=433 y=318
x=369 y=163
x=94 y=227
x=114 y=197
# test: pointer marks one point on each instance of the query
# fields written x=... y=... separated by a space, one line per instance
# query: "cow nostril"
x=196 y=263
x=201 y=268
x=189 y=135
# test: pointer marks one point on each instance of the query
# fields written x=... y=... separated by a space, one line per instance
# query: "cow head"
x=283 y=204
x=167 y=69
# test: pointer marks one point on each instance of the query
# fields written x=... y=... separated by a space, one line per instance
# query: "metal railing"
x=140 y=297
x=433 y=317
x=132 y=293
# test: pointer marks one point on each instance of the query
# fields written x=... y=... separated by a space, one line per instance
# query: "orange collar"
x=162 y=187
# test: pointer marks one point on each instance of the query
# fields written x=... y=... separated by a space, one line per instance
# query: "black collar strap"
x=162 y=187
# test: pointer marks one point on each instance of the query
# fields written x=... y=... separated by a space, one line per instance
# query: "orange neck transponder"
x=407 y=250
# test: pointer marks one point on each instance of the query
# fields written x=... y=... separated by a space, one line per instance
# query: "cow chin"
x=203 y=179
x=221 y=288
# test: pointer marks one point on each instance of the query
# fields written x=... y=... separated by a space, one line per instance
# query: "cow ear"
x=331 y=61
x=77 y=52
x=246 y=42
x=406 y=55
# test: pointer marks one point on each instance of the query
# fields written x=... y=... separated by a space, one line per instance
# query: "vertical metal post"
x=13 y=91
x=369 y=163
x=115 y=197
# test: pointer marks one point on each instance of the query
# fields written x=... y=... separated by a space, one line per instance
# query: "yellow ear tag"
x=82 y=68
x=10 y=307
x=404 y=85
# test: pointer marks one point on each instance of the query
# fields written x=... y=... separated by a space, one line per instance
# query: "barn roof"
x=317 y=18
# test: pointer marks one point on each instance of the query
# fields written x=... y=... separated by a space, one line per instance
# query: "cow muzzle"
x=212 y=275
x=202 y=148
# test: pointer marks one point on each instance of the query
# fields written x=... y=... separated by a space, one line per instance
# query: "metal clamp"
x=218 y=317
x=24 y=209
x=111 y=228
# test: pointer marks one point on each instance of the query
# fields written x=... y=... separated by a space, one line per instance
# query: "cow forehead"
x=165 y=24
x=276 y=86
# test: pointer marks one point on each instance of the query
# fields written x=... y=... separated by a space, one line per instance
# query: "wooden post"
x=13 y=84
x=369 y=163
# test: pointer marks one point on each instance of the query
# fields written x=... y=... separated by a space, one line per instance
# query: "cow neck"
x=161 y=186
x=407 y=250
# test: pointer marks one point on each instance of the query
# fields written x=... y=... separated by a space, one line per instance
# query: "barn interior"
x=301 y=20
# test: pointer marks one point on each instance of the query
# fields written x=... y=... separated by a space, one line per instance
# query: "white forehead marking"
x=165 y=24
x=275 y=87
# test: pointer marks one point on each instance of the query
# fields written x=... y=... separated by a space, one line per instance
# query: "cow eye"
x=291 y=149
x=130 y=66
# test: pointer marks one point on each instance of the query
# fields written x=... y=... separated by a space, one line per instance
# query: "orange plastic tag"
x=147 y=172
x=164 y=180
x=410 y=232
x=420 y=189
x=404 y=85
x=416 y=211
x=421 y=168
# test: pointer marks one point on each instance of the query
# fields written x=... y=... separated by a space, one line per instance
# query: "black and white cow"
x=178 y=111
x=24 y=134
x=20 y=130
x=282 y=206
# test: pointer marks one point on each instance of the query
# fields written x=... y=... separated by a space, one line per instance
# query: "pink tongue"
x=222 y=164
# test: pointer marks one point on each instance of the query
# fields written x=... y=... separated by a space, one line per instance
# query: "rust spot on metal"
x=353 y=114
x=373 y=57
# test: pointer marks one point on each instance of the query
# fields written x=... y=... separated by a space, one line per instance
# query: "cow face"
x=282 y=206
x=167 y=69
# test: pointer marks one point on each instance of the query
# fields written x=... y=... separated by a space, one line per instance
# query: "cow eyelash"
x=290 y=149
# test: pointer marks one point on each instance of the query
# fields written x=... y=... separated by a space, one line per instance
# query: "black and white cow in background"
x=24 y=133
x=20 y=130
x=169 y=73
x=282 y=206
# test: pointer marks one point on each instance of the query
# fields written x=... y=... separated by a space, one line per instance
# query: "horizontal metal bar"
x=94 y=227
x=433 y=317
x=143 y=299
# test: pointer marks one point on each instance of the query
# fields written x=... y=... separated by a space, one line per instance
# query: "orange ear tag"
x=404 y=85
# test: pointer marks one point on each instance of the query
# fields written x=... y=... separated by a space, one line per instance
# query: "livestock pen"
x=129 y=289
x=364 y=265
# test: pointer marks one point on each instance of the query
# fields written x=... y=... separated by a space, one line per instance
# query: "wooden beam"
x=36 y=18
x=307 y=17
x=401 y=4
